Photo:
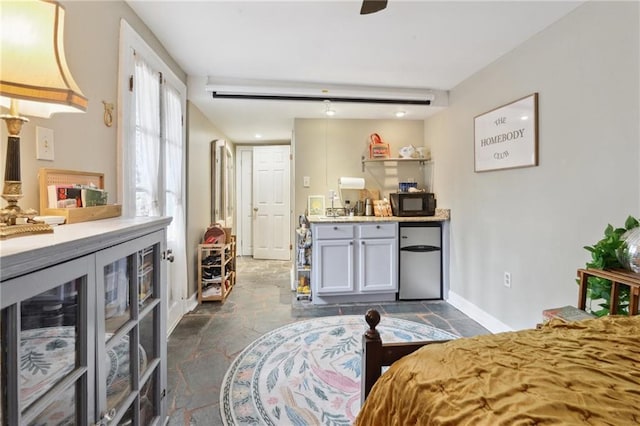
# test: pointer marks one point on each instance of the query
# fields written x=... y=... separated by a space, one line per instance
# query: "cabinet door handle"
x=168 y=255
x=350 y=243
x=106 y=417
x=377 y=226
x=335 y=228
x=362 y=242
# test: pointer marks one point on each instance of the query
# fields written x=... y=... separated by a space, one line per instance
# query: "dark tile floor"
x=207 y=340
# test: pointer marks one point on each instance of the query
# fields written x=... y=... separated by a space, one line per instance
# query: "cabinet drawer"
x=333 y=232
x=379 y=230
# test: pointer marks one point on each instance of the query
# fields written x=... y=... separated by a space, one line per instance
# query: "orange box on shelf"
x=379 y=150
x=377 y=147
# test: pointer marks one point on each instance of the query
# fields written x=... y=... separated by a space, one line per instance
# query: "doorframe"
x=240 y=212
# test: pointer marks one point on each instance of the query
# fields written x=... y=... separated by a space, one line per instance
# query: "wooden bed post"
x=371 y=354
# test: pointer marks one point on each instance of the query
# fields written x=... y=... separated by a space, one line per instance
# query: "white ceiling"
x=423 y=44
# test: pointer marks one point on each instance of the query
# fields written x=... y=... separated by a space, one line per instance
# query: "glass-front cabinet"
x=129 y=343
x=47 y=351
x=83 y=341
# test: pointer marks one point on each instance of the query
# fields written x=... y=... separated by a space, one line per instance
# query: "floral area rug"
x=307 y=373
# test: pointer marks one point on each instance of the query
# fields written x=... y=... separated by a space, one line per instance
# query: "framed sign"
x=315 y=205
x=507 y=137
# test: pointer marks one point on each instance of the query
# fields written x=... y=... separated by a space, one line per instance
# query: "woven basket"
x=216 y=234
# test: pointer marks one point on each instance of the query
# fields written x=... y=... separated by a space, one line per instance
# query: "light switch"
x=306 y=181
x=44 y=143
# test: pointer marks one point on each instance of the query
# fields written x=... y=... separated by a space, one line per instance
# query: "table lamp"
x=34 y=80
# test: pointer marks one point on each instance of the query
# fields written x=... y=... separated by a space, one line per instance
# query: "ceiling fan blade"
x=372 y=6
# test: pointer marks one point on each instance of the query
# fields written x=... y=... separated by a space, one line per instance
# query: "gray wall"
x=82 y=141
x=327 y=149
x=200 y=135
x=534 y=222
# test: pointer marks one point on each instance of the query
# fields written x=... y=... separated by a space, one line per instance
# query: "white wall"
x=328 y=149
x=534 y=222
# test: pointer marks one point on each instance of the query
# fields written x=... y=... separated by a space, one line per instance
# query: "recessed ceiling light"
x=258 y=136
x=327 y=108
x=401 y=114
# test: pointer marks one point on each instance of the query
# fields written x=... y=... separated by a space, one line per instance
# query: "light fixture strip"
x=217 y=95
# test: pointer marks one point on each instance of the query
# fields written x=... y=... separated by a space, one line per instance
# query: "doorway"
x=263 y=198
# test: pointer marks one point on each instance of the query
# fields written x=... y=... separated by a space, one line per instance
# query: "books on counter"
x=93 y=197
x=74 y=196
x=566 y=313
x=64 y=196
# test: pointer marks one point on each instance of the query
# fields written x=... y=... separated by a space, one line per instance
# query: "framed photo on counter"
x=507 y=137
x=315 y=205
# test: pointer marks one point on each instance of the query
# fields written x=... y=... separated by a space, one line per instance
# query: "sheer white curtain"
x=174 y=200
x=147 y=112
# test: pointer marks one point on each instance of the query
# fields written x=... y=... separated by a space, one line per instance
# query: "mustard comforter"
x=579 y=373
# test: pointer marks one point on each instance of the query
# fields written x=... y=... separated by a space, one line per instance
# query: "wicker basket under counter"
x=48 y=177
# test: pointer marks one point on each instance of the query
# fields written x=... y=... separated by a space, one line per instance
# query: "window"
x=151 y=156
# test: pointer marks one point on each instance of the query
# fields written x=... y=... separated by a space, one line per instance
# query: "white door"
x=245 y=201
x=271 y=210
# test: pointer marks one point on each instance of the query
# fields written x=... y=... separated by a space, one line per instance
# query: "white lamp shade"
x=33 y=67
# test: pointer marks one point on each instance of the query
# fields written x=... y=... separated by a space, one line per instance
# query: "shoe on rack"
x=211 y=260
x=210 y=273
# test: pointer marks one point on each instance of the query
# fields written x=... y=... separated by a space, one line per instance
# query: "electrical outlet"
x=306 y=181
x=44 y=143
x=507 y=279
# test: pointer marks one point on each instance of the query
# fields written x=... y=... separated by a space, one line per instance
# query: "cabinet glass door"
x=128 y=325
x=47 y=347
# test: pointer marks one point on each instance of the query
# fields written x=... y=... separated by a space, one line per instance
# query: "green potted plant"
x=604 y=256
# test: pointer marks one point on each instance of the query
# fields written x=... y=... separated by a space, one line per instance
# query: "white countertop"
x=29 y=252
x=440 y=216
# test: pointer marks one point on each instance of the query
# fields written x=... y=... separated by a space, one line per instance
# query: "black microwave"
x=413 y=204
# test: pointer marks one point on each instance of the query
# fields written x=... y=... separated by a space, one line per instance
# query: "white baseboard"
x=191 y=303
x=188 y=305
x=489 y=322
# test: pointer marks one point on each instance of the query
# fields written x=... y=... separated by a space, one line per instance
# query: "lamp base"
x=10 y=231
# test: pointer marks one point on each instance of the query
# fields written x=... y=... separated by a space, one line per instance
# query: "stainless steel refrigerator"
x=420 y=261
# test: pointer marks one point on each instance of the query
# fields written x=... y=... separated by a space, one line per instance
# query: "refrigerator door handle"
x=421 y=248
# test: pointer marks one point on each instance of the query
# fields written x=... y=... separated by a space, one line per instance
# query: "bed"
x=564 y=373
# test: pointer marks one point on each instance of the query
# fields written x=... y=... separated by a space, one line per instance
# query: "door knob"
x=255 y=209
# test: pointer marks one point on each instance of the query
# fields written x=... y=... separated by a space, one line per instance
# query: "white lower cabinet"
x=83 y=326
x=333 y=267
x=354 y=262
x=378 y=265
